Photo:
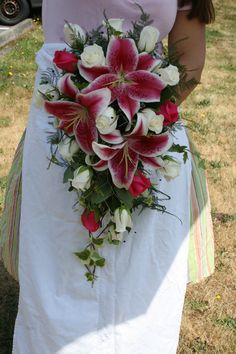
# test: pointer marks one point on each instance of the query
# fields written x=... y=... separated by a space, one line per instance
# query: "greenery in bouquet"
x=111 y=97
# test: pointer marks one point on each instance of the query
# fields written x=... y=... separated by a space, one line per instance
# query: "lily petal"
x=146 y=62
x=95 y=102
x=63 y=109
x=146 y=86
x=98 y=166
x=150 y=146
x=113 y=138
x=91 y=74
x=122 y=168
x=153 y=162
x=141 y=127
x=67 y=87
x=122 y=55
x=103 y=81
x=128 y=105
x=85 y=133
x=106 y=152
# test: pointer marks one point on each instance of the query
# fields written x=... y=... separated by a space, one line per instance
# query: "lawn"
x=209 y=319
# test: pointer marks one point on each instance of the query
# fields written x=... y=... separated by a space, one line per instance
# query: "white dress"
x=135 y=306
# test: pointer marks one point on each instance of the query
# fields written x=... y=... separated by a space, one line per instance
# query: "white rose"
x=116 y=23
x=48 y=90
x=67 y=148
x=72 y=30
x=156 y=123
x=106 y=122
x=170 y=169
x=168 y=75
x=148 y=39
x=82 y=178
x=93 y=56
x=122 y=220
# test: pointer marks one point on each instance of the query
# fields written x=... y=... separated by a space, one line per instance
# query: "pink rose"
x=170 y=112
x=65 y=60
x=89 y=221
x=139 y=184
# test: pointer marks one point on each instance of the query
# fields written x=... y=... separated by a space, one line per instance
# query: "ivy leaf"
x=97 y=241
x=89 y=276
x=98 y=260
x=84 y=256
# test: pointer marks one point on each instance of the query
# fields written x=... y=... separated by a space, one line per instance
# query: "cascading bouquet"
x=111 y=97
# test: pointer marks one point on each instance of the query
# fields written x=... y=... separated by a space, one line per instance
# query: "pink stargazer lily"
x=79 y=117
x=127 y=75
x=122 y=159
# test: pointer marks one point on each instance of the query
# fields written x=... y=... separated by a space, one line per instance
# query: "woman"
x=136 y=303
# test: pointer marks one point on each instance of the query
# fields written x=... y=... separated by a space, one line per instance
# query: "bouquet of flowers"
x=111 y=95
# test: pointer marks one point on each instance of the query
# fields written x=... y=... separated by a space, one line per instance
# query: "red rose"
x=170 y=112
x=89 y=221
x=65 y=60
x=139 y=184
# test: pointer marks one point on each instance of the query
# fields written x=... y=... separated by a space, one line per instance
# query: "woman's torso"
x=89 y=14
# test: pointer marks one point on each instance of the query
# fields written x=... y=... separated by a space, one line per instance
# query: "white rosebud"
x=170 y=169
x=82 y=178
x=113 y=235
x=116 y=23
x=93 y=56
x=148 y=39
x=122 y=220
x=71 y=30
x=169 y=75
x=48 y=90
x=67 y=148
x=106 y=123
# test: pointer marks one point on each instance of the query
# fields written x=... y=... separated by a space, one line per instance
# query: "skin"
x=192 y=50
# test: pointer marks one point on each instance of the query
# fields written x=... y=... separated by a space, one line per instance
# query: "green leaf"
x=68 y=174
x=97 y=241
x=125 y=197
x=84 y=255
x=100 y=262
x=95 y=256
x=101 y=193
x=89 y=276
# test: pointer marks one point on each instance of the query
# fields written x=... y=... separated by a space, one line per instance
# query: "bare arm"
x=192 y=50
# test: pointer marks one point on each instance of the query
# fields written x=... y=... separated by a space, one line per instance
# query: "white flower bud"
x=67 y=148
x=106 y=122
x=122 y=220
x=82 y=178
x=115 y=23
x=113 y=235
x=71 y=30
x=93 y=56
x=148 y=39
x=45 y=89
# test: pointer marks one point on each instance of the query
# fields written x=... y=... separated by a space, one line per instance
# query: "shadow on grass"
x=9 y=291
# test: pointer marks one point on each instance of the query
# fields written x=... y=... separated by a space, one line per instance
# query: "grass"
x=209 y=319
